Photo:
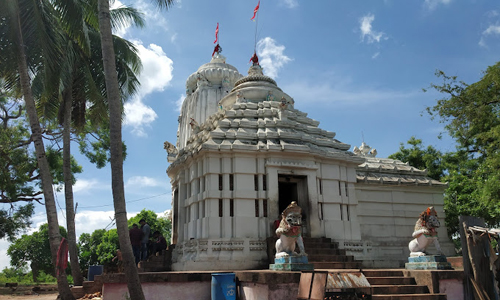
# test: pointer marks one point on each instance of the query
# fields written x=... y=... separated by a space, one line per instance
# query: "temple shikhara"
x=244 y=153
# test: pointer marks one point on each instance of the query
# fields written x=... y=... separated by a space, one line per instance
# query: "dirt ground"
x=45 y=292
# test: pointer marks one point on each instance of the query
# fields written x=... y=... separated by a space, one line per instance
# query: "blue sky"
x=358 y=67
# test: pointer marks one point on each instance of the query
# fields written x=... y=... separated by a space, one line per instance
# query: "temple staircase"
x=391 y=284
x=386 y=284
x=325 y=254
x=158 y=263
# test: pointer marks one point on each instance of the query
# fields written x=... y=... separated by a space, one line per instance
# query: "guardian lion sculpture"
x=290 y=232
x=425 y=233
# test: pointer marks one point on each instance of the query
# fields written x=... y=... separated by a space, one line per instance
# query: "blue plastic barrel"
x=223 y=286
x=94 y=270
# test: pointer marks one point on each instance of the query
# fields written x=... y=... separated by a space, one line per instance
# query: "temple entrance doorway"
x=294 y=188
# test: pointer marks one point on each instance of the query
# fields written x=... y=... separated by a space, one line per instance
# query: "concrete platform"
x=253 y=284
x=268 y=284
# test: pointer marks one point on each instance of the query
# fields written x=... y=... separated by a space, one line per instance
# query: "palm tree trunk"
x=115 y=114
x=68 y=189
x=43 y=165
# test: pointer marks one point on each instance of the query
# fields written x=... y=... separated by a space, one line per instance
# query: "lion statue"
x=290 y=232
x=425 y=233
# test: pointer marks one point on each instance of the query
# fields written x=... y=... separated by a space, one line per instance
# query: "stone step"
x=309 y=240
x=330 y=258
x=321 y=246
x=336 y=265
x=78 y=292
x=391 y=280
x=410 y=297
x=399 y=289
x=91 y=287
x=325 y=251
x=383 y=273
x=152 y=266
x=156 y=259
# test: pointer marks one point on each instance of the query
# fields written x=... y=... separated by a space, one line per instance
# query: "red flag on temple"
x=216 y=33
x=256 y=9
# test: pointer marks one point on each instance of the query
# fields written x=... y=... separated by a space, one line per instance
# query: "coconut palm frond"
x=125 y=16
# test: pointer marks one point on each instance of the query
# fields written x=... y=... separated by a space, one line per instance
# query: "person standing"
x=146 y=230
x=136 y=239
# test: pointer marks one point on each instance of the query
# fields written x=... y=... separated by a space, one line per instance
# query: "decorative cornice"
x=291 y=164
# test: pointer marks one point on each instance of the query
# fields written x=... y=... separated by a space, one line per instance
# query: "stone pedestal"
x=428 y=262
x=291 y=263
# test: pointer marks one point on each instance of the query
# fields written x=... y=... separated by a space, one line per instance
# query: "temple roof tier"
x=392 y=171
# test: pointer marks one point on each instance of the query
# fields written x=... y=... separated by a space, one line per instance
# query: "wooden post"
x=469 y=221
x=476 y=258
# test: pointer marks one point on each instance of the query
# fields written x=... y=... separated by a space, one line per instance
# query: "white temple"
x=243 y=153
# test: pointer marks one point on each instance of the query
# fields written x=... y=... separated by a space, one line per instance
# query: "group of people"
x=141 y=243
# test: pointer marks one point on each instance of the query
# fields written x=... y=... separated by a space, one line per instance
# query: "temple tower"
x=204 y=88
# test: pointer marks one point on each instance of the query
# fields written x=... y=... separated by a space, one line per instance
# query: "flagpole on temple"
x=255 y=39
x=256 y=13
x=218 y=48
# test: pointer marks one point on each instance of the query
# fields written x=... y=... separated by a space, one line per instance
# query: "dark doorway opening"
x=293 y=188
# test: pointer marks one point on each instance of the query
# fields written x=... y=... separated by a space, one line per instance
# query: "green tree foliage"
x=162 y=224
x=19 y=175
x=422 y=158
x=21 y=276
x=106 y=250
x=97 y=248
x=35 y=249
x=17 y=162
x=471 y=114
x=87 y=245
x=15 y=220
x=94 y=144
x=12 y=275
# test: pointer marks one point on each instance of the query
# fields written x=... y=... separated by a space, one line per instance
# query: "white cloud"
x=143 y=181
x=178 y=103
x=157 y=68
x=152 y=15
x=491 y=30
x=155 y=76
x=432 y=4
x=138 y=116
x=156 y=73
x=271 y=56
x=367 y=31
x=290 y=3
x=375 y=55
x=4 y=258
x=86 y=186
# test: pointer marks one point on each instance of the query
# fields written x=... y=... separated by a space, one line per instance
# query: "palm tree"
x=31 y=40
x=115 y=113
x=83 y=86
